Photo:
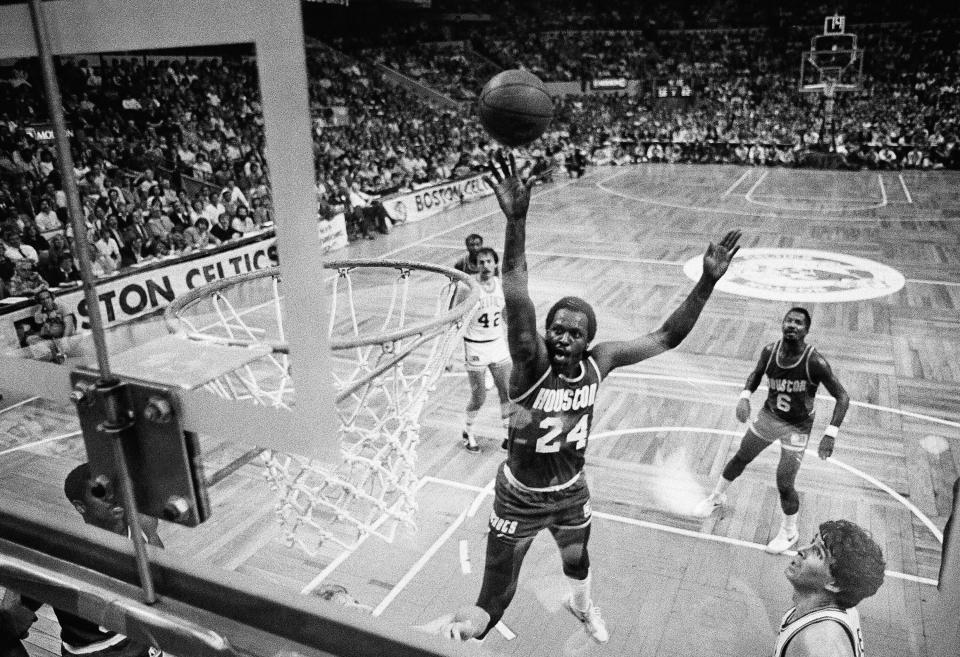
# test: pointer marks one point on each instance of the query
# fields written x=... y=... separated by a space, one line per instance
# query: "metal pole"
x=116 y=417
x=54 y=105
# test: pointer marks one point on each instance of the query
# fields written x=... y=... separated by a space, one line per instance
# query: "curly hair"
x=576 y=304
x=856 y=563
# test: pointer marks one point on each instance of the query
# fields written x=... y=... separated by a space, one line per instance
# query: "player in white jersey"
x=485 y=346
x=841 y=566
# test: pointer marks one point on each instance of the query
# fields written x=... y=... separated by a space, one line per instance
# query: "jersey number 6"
x=552 y=441
x=783 y=402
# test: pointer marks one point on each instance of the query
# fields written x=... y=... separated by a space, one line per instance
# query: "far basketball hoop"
x=833 y=63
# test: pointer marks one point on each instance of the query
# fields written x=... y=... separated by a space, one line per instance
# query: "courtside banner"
x=333 y=233
x=431 y=200
x=140 y=292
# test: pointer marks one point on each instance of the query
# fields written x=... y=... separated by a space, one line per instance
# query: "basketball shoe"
x=705 y=507
x=593 y=623
x=783 y=541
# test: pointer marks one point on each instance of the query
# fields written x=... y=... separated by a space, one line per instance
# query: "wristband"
x=745 y=394
x=831 y=431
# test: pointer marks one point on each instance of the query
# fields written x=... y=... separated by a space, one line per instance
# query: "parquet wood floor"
x=669 y=584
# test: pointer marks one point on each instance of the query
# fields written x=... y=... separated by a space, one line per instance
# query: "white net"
x=393 y=327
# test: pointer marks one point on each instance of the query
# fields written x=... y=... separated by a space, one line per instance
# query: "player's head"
x=843 y=560
x=98 y=510
x=474 y=243
x=570 y=327
x=487 y=263
x=796 y=324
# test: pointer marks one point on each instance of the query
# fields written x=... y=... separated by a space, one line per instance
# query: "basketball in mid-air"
x=515 y=107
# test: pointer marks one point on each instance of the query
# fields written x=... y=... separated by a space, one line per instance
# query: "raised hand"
x=512 y=193
x=718 y=256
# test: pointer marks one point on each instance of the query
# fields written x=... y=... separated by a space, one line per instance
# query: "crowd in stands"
x=141 y=130
x=453 y=70
x=168 y=153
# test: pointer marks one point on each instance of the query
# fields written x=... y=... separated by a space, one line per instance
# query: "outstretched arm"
x=527 y=349
x=752 y=383
x=820 y=371
x=716 y=260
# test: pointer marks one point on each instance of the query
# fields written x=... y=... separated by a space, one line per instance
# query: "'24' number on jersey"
x=552 y=441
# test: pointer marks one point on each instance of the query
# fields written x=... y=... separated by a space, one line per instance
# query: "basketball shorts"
x=771 y=428
x=522 y=513
x=478 y=355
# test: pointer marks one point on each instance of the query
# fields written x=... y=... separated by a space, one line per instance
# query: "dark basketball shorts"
x=792 y=437
x=522 y=513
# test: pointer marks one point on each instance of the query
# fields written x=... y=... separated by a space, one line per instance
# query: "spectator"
x=31 y=237
x=47 y=219
x=223 y=231
x=158 y=224
x=243 y=223
x=132 y=253
x=262 y=211
x=101 y=264
x=198 y=235
x=26 y=282
x=108 y=247
x=61 y=271
x=54 y=323
x=15 y=250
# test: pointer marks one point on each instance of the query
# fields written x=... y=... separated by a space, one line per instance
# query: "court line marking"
x=647 y=261
x=906 y=191
x=19 y=404
x=849 y=468
x=736 y=184
x=735 y=384
x=752 y=189
x=345 y=554
x=694 y=534
x=51 y=439
x=812 y=216
x=861 y=202
x=428 y=554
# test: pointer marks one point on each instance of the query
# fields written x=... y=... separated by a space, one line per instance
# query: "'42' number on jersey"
x=486 y=320
x=552 y=441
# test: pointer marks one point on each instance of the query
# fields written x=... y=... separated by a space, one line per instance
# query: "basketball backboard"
x=36 y=519
x=833 y=62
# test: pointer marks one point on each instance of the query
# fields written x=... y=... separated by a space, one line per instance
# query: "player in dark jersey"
x=79 y=636
x=841 y=566
x=468 y=262
x=554 y=385
x=794 y=372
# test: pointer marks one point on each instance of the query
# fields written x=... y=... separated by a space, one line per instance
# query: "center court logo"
x=803 y=275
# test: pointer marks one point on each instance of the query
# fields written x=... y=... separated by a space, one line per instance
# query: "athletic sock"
x=580 y=589
x=468 y=422
x=721 y=487
x=790 y=523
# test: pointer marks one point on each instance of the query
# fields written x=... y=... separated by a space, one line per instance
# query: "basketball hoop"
x=387 y=354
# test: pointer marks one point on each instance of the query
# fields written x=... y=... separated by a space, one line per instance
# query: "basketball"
x=515 y=107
